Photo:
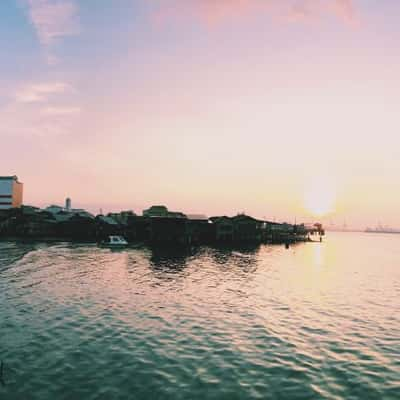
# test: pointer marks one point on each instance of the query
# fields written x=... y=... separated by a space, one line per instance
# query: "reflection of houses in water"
x=243 y=257
x=169 y=259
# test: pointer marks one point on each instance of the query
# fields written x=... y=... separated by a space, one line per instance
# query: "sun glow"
x=320 y=198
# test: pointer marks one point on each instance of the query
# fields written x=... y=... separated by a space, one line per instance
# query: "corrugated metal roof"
x=199 y=217
x=107 y=220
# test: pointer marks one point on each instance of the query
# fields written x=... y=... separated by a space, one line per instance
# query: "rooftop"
x=9 y=178
x=198 y=217
x=107 y=220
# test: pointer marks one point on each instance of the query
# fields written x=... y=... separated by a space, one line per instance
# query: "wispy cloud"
x=44 y=109
x=30 y=121
x=60 y=111
x=214 y=11
x=53 y=19
x=40 y=92
x=311 y=9
x=345 y=9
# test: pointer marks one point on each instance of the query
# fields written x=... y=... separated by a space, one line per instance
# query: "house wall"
x=224 y=231
x=200 y=231
x=246 y=231
x=168 y=230
x=17 y=200
x=138 y=228
x=6 y=194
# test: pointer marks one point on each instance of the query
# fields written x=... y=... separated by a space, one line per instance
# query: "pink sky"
x=205 y=106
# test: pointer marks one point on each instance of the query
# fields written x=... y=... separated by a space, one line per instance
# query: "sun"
x=320 y=198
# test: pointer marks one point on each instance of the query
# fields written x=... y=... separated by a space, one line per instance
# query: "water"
x=318 y=321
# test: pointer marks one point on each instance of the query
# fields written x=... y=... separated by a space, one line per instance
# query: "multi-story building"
x=11 y=192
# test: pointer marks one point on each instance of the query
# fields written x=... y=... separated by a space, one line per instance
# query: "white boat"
x=114 y=241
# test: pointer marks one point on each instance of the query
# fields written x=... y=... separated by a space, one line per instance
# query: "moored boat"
x=114 y=241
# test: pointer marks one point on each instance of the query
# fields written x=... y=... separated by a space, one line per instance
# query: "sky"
x=282 y=109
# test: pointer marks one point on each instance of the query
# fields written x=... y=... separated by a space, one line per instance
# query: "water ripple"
x=315 y=322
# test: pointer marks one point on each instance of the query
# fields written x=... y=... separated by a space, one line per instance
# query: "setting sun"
x=319 y=198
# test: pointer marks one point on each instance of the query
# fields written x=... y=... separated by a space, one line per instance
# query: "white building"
x=11 y=192
x=68 y=212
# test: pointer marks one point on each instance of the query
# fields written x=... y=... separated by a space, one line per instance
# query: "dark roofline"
x=181 y=217
x=217 y=218
x=246 y=216
x=197 y=217
x=156 y=206
x=11 y=177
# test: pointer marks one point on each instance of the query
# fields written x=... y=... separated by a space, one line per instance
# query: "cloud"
x=29 y=121
x=53 y=19
x=44 y=109
x=345 y=9
x=41 y=110
x=60 y=111
x=214 y=11
x=36 y=93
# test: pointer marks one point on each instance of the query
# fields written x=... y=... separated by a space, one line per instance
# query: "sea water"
x=315 y=321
